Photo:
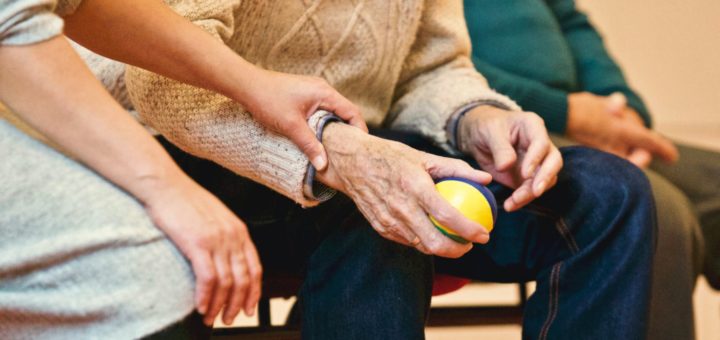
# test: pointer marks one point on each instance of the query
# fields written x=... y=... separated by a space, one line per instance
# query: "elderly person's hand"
x=392 y=185
x=608 y=124
x=514 y=147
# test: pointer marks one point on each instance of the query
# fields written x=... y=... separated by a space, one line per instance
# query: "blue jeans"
x=588 y=242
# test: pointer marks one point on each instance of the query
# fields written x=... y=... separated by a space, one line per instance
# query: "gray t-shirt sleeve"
x=24 y=22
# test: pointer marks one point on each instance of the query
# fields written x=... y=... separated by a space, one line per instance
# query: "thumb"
x=640 y=157
x=305 y=139
x=616 y=103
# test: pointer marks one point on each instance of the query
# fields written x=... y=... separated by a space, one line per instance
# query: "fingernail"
x=540 y=187
x=319 y=163
x=508 y=205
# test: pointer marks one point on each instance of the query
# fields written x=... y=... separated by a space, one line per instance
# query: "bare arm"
x=50 y=88
x=60 y=98
x=148 y=34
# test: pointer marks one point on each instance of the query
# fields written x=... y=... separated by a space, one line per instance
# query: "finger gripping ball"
x=473 y=200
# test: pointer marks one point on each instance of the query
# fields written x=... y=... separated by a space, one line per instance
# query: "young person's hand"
x=282 y=102
x=514 y=147
x=61 y=99
x=228 y=274
x=608 y=124
x=392 y=185
x=154 y=37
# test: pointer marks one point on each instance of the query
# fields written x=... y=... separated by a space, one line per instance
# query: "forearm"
x=148 y=34
x=60 y=98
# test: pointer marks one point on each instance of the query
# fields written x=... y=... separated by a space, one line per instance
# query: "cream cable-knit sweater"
x=404 y=63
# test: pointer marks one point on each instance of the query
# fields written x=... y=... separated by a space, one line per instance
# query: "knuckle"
x=442 y=215
x=435 y=246
x=231 y=230
x=225 y=281
x=208 y=280
x=206 y=240
x=243 y=282
x=475 y=233
x=386 y=220
x=256 y=274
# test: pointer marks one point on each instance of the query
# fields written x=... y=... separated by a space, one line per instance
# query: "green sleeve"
x=551 y=104
x=597 y=72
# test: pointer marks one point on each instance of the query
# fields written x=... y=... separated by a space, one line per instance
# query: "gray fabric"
x=697 y=174
x=678 y=257
x=79 y=258
x=677 y=263
x=25 y=22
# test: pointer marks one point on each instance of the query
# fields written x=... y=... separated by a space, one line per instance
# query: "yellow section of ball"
x=468 y=200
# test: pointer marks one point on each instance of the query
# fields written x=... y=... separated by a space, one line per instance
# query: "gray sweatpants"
x=79 y=258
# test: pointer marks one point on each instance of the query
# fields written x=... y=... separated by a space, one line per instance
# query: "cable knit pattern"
x=405 y=63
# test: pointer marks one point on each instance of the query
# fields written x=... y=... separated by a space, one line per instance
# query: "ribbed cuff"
x=551 y=105
x=312 y=189
x=453 y=122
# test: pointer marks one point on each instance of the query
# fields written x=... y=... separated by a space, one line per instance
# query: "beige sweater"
x=404 y=63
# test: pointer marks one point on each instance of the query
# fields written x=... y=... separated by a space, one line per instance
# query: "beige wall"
x=670 y=51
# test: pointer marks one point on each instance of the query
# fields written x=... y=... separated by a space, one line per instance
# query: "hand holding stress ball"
x=473 y=200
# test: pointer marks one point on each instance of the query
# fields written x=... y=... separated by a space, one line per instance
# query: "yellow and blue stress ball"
x=473 y=200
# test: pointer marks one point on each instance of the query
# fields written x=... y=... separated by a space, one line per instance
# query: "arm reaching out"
x=148 y=34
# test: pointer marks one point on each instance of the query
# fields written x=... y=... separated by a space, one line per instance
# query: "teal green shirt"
x=539 y=51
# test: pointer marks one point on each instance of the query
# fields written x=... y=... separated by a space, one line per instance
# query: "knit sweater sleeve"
x=214 y=127
x=438 y=78
x=597 y=71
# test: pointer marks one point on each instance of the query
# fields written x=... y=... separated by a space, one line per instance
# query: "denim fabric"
x=588 y=242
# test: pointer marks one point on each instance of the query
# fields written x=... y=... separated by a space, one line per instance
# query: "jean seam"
x=560 y=226
x=553 y=300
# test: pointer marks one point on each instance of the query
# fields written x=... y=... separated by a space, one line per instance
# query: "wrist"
x=240 y=83
x=151 y=184
x=340 y=141
x=576 y=119
x=468 y=123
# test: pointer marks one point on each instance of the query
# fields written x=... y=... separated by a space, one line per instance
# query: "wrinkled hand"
x=515 y=148
x=608 y=124
x=392 y=185
x=226 y=265
x=283 y=102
